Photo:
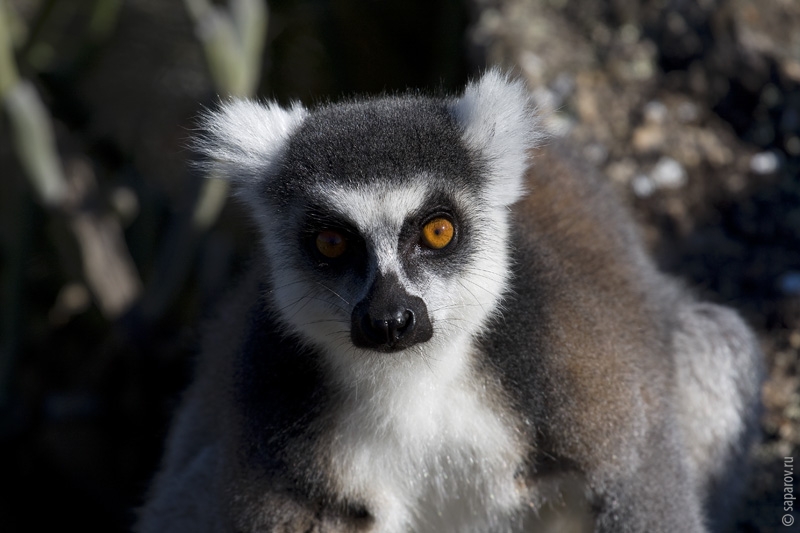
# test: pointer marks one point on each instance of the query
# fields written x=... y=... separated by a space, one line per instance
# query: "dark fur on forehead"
x=388 y=139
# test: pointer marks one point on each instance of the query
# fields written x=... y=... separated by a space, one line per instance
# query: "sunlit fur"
x=415 y=423
x=563 y=370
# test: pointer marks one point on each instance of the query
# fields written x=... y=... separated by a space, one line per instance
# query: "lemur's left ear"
x=243 y=139
x=500 y=123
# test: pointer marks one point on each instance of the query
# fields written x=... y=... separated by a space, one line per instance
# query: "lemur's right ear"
x=243 y=139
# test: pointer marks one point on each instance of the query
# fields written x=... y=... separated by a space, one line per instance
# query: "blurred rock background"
x=112 y=250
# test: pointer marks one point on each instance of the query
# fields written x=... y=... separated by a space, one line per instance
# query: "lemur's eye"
x=437 y=233
x=331 y=243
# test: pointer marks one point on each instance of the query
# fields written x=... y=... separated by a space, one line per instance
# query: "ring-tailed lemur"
x=435 y=337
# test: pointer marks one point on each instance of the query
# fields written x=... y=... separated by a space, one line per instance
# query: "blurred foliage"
x=100 y=99
x=113 y=250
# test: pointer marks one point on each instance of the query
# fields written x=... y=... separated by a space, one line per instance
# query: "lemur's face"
x=384 y=223
x=386 y=269
x=378 y=244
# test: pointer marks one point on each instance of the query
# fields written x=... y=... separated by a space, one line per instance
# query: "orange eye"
x=331 y=243
x=437 y=233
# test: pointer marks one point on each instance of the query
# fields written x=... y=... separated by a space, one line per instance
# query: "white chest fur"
x=427 y=450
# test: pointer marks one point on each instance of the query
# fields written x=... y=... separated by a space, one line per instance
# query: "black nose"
x=389 y=319
x=389 y=328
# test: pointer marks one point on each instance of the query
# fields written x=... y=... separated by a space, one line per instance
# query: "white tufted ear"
x=243 y=139
x=500 y=123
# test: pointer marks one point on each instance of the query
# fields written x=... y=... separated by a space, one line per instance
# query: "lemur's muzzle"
x=389 y=319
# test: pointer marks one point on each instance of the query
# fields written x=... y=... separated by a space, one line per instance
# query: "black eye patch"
x=332 y=244
x=447 y=249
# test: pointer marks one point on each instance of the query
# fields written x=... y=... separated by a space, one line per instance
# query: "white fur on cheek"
x=315 y=309
x=466 y=302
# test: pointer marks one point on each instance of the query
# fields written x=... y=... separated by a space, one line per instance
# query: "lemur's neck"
x=431 y=436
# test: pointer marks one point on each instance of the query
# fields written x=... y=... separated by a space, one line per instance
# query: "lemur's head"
x=384 y=222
